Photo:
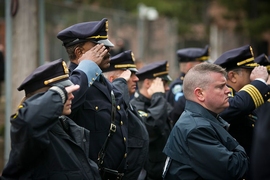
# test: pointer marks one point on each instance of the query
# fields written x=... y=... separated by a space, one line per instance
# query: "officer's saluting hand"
x=95 y=54
x=259 y=72
x=156 y=86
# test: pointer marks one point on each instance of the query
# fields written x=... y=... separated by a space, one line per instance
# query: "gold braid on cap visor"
x=268 y=67
x=203 y=58
x=251 y=65
x=125 y=66
x=98 y=37
x=254 y=93
x=245 y=61
x=160 y=73
x=56 y=79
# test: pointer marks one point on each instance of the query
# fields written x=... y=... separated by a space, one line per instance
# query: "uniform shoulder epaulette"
x=16 y=114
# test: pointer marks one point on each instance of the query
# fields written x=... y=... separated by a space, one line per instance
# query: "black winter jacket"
x=45 y=146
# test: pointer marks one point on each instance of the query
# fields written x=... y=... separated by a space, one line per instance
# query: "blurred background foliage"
x=252 y=16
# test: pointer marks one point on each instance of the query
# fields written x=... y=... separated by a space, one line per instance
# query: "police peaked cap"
x=124 y=60
x=241 y=57
x=49 y=74
x=193 y=54
x=95 y=31
x=264 y=61
x=153 y=70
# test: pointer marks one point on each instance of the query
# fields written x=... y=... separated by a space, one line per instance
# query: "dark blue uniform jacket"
x=155 y=113
x=260 y=156
x=92 y=108
x=240 y=112
x=42 y=148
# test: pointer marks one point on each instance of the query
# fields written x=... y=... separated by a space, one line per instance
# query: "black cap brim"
x=166 y=78
x=106 y=42
x=133 y=69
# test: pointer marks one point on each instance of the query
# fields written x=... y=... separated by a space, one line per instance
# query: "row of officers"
x=102 y=118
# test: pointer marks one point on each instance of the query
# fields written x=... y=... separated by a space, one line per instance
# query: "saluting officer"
x=45 y=143
x=118 y=64
x=152 y=105
x=249 y=80
x=187 y=58
x=261 y=148
x=137 y=134
x=101 y=107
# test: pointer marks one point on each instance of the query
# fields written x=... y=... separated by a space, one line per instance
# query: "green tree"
x=253 y=16
x=186 y=12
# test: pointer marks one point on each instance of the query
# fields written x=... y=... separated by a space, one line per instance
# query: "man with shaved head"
x=199 y=145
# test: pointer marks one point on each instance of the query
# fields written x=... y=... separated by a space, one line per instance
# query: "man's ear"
x=147 y=83
x=199 y=94
x=78 y=51
x=111 y=78
x=232 y=76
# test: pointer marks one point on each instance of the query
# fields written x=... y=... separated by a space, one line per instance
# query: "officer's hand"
x=156 y=86
x=72 y=88
x=125 y=74
x=95 y=54
x=259 y=72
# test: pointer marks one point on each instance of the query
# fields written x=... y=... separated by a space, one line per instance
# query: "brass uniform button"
x=118 y=107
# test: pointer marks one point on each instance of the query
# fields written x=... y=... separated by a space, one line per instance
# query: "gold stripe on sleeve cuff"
x=254 y=93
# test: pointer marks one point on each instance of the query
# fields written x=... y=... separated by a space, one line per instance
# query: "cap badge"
x=65 y=67
x=132 y=56
x=107 y=26
x=251 y=51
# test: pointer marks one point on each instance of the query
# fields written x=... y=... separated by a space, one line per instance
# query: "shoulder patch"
x=177 y=88
x=142 y=113
x=136 y=94
x=178 y=95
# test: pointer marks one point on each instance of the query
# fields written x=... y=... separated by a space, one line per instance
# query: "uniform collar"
x=211 y=116
x=72 y=66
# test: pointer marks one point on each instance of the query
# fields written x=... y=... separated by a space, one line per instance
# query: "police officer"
x=137 y=134
x=187 y=58
x=101 y=107
x=260 y=149
x=119 y=63
x=249 y=81
x=152 y=105
x=45 y=143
